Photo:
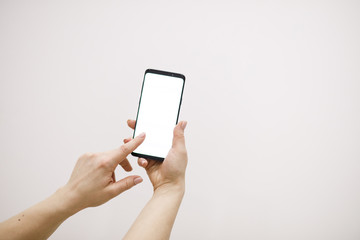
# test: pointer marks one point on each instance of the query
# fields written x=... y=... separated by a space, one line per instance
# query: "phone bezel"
x=166 y=73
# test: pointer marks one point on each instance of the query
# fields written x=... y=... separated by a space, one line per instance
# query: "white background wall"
x=272 y=101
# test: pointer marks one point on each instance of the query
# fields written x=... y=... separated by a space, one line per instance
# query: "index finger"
x=119 y=154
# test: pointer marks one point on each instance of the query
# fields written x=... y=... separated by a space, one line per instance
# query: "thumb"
x=124 y=184
x=179 y=138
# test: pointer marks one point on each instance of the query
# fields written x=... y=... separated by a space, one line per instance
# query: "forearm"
x=158 y=216
x=40 y=220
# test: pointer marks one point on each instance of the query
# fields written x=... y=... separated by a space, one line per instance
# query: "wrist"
x=177 y=189
x=67 y=201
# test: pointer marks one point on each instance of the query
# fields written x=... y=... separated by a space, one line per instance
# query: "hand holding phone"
x=170 y=174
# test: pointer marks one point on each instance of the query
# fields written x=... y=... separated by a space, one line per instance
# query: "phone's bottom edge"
x=147 y=156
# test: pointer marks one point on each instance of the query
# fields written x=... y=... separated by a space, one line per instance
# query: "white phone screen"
x=158 y=113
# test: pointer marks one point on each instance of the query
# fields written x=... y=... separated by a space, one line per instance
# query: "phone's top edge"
x=171 y=74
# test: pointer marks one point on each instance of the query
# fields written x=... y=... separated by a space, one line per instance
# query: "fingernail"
x=138 y=180
x=141 y=135
x=183 y=125
x=142 y=161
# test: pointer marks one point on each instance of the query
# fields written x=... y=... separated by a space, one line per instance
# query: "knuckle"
x=179 y=134
x=112 y=192
x=124 y=148
x=128 y=184
x=87 y=155
x=104 y=163
x=181 y=150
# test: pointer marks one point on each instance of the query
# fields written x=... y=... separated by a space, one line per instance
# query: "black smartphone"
x=158 y=112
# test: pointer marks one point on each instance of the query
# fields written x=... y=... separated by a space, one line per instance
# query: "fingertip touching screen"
x=158 y=111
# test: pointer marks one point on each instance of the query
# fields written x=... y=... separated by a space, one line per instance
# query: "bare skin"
x=93 y=183
x=168 y=179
